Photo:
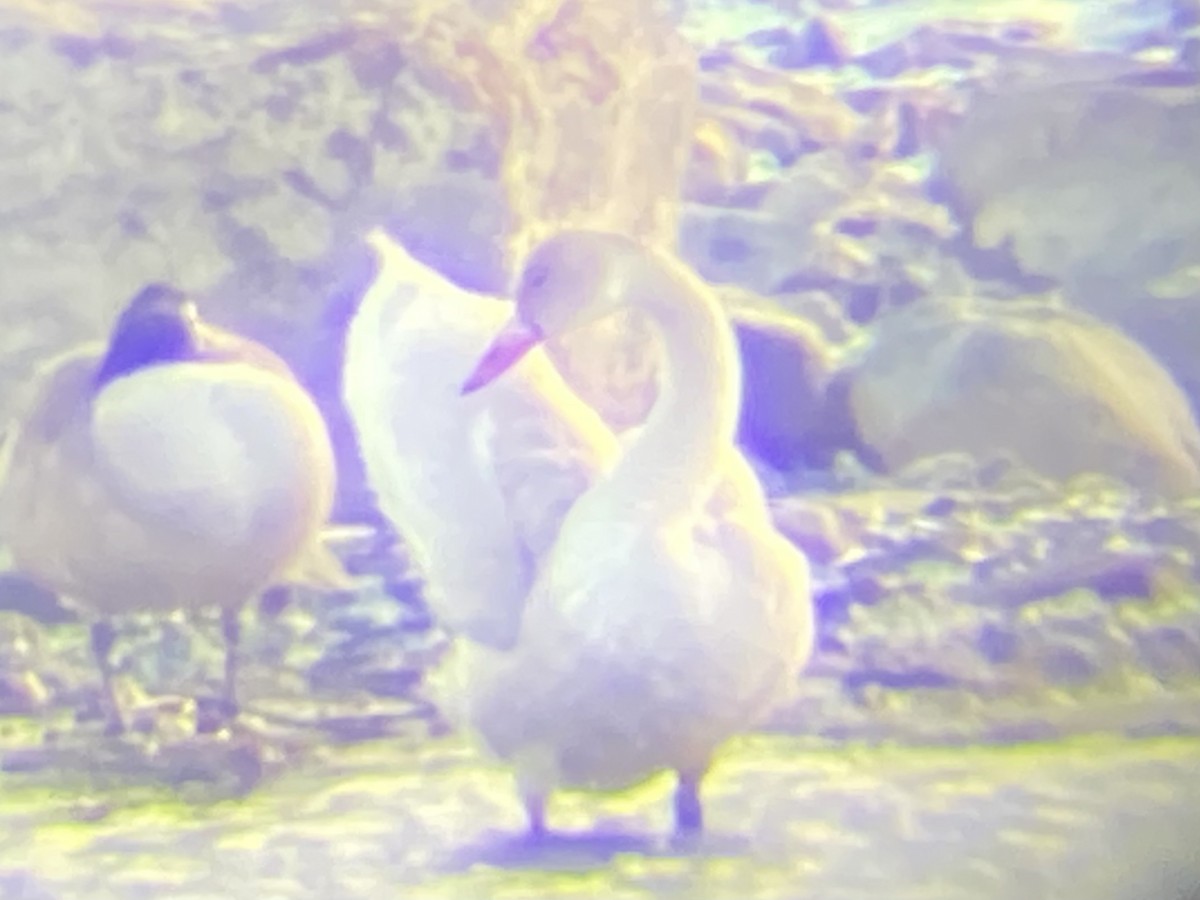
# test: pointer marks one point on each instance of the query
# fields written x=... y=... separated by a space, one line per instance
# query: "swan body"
x=177 y=467
x=664 y=614
x=640 y=651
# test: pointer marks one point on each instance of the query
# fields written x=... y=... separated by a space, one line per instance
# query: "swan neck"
x=675 y=460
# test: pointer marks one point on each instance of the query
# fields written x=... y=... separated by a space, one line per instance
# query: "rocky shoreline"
x=961 y=250
x=891 y=229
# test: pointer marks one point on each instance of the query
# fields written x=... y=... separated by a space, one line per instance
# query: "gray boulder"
x=1059 y=390
x=241 y=150
x=1093 y=185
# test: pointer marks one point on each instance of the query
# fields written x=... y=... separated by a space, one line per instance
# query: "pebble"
x=1069 y=666
x=22 y=693
x=997 y=644
x=816 y=43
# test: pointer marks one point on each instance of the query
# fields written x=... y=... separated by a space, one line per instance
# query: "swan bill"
x=506 y=350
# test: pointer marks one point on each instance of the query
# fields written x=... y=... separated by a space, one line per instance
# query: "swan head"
x=567 y=282
x=160 y=324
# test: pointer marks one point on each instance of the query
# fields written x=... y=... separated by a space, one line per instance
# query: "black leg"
x=103 y=636
x=231 y=632
x=689 y=812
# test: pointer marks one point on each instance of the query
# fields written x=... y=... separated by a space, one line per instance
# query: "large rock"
x=1059 y=390
x=242 y=149
x=1095 y=186
x=792 y=185
x=237 y=150
x=599 y=101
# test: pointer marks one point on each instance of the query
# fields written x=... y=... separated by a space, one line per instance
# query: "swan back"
x=477 y=485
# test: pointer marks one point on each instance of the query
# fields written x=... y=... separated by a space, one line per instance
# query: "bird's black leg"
x=231 y=632
x=103 y=636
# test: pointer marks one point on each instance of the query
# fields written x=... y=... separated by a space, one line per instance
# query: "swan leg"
x=231 y=633
x=535 y=815
x=689 y=811
x=103 y=636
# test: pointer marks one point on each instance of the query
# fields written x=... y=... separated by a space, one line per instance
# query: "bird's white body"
x=179 y=486
x=647 y=608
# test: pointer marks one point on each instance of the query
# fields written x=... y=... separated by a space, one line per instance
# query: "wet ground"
x=789 y=818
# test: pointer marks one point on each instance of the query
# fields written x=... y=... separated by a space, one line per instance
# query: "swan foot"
x=689 y=811
x=103 y=636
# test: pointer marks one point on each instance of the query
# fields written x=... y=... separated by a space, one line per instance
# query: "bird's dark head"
x=159 y=325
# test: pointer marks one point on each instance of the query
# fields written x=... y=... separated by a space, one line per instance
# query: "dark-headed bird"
x=177 y=467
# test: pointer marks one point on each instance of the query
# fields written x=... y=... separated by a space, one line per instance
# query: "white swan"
x=477 y=485
x=655 y=612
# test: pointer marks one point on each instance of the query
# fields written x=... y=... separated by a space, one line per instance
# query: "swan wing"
x=476 y=485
